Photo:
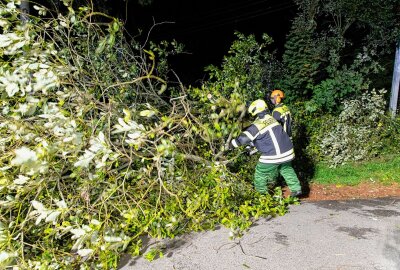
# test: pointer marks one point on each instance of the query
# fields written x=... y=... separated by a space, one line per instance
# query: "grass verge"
x=384 y=170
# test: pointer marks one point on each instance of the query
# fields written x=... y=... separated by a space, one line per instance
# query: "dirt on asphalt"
x=320 y=192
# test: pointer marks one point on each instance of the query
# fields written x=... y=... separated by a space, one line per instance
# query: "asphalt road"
x=326 y=235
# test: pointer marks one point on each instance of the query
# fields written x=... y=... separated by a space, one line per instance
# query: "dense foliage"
x=249 y=69
x=334 y=48
x=334 y=57
x=302 y=59
x=95 y=155
x=361 y=131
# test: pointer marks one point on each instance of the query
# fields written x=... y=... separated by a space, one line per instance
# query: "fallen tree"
x=99 y=149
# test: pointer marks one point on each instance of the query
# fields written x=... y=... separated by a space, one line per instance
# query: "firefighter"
x=281 y=112
x=275 y=147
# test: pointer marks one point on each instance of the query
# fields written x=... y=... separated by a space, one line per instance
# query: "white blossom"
x=85 y=160
x=147 y=113
x=61 y=204
x=4 y=23
x=38 y=206
x=77 y=233
x=52 y=216
x=12 y=88
x=7 y=39
x=85 y=252
x=112 y=239
x=41 y=10
x=23 y=155
x=130 y=125
x=4 y=255
x=5 y=110
x=21 y=180
x=95 y=222
x=11 y=5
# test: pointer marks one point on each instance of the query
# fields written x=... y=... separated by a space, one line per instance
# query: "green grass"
x=385 y=170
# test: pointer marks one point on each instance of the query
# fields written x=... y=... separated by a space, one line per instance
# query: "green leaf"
x=100 y=48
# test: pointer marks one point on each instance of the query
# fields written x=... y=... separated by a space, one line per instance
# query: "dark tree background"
x=206 y=27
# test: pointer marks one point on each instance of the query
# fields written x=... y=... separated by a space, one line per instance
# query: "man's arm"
x=277 y=115
x=245 y=137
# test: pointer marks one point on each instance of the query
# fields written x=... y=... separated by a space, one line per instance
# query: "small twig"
x=151 y=28
x=180 y=83
x=241 y=247
x=234 y=244
x=261 y=238
x=196 y=158
x=135 y=81
x=175 y=98
x=97 y=13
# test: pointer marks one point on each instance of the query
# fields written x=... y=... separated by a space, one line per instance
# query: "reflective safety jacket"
x=282 y=114
x=269 y=138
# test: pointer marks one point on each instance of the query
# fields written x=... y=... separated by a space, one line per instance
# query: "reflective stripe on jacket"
x=270 y=140
x=282 y=114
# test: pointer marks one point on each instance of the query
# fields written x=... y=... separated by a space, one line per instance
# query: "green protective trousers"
x=266 y=175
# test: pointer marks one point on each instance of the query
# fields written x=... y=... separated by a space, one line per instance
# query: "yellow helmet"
x=278 y=94
x=257 y=106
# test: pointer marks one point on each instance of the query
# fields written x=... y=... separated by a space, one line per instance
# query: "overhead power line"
x=235 y=19
x=226 y=9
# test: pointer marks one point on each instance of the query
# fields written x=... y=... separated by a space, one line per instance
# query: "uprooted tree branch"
x=99 y=148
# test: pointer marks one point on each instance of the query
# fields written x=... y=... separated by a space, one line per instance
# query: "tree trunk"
x=395 y=83
x=24 y=11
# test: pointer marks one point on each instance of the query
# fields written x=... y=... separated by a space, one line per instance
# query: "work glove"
x=248 y=149
x=230 y=145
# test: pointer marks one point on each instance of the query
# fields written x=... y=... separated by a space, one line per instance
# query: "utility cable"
x=226 y=9
x=243 y=17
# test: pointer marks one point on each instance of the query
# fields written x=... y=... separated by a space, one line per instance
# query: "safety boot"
x=296 y=194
